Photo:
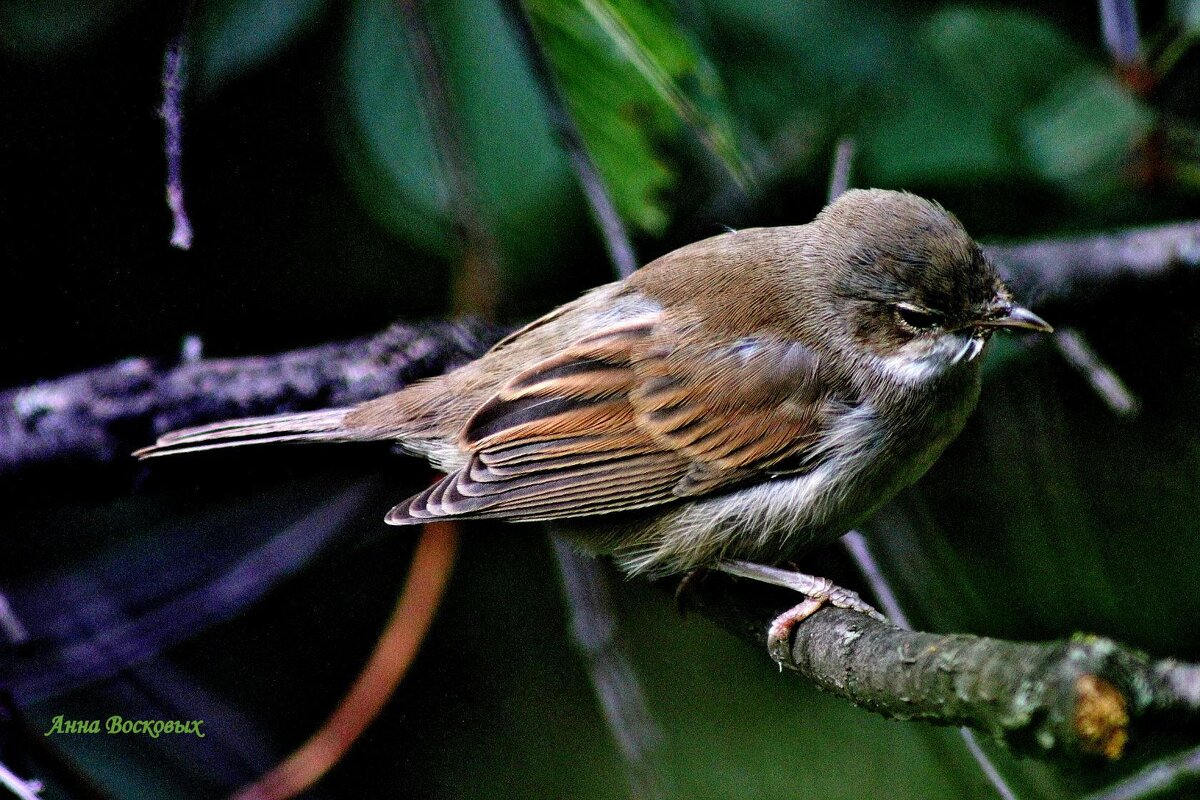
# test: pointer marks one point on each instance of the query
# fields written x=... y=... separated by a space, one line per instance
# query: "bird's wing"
x=635 y=415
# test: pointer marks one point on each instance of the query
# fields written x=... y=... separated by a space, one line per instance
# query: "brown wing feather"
x=633 y=416
x=733 y=410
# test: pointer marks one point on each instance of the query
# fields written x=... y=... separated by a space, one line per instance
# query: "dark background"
x=320 y=213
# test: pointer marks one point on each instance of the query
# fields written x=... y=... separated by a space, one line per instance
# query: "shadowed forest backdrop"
x=322 y=209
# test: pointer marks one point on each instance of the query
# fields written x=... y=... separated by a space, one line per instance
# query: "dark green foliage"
x=321 y=206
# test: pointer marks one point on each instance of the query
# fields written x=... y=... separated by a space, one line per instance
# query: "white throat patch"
x=932 y=360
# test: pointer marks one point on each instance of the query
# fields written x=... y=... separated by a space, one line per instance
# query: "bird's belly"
x=781 y=518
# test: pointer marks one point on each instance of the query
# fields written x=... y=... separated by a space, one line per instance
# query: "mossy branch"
x=1079 y=697
x=1082 y=696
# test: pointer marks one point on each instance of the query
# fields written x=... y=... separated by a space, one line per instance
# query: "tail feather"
x=306 y=426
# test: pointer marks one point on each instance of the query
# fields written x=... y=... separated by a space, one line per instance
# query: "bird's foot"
x=685 y=584
x=817 y=592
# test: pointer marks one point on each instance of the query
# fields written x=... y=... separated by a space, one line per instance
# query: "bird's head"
x=905 y=282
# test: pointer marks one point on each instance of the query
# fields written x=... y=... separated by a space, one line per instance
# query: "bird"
x=731 y=405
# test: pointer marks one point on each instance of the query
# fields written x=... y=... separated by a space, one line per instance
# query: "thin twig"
x=428 y=574
x=60 y=663
x=1073 y=347
x=476 y=291
x=174 y=76
x=23 y=789
x=1123 y=41
x=594 y=631
x=990 y=771
x=1169 y=774
x=10 y=624
x=1119 y=29
x=840 y=175
x=593 y=621
x=600 y=204
x=477 y=285
x=856 y=545
x=881 y=588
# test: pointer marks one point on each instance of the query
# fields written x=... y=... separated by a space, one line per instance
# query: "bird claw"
x=779 y=634
x=817 y=592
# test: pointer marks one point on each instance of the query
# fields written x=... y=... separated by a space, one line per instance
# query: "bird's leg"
x=817 y=592
x=685 y=583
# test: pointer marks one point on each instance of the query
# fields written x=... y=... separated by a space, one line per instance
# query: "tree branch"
x=101 y=415
x=1076 y=698
x=1079 y=697
x=1054 y=270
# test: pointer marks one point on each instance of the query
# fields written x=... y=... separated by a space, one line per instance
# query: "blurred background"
x=322 y=210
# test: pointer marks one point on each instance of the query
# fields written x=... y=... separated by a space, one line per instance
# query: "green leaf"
x=663 y=58
x=929 y=132
x=1084 y=128
x=1186 y=13
x=525 y=184
x=1001 y=59
x=986 y=98
x=385 y=137
x=801 y=74
x=235 y=36
x=812 y=45
x=386 y=142
x=624 y=66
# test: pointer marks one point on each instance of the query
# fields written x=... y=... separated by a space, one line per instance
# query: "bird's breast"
x=874 y=450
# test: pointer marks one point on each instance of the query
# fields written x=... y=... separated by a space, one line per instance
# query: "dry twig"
x=1083 y=696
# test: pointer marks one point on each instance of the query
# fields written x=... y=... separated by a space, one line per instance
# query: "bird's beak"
x=1016 y=317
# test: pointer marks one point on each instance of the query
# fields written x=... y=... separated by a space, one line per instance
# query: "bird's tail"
x=306 y=426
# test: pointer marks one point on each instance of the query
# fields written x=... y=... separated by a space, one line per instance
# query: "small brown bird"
x=731 y=405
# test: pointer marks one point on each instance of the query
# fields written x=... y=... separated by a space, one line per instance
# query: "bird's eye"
x=917 y=318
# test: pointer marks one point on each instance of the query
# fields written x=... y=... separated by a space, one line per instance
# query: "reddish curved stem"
x=395 y=651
